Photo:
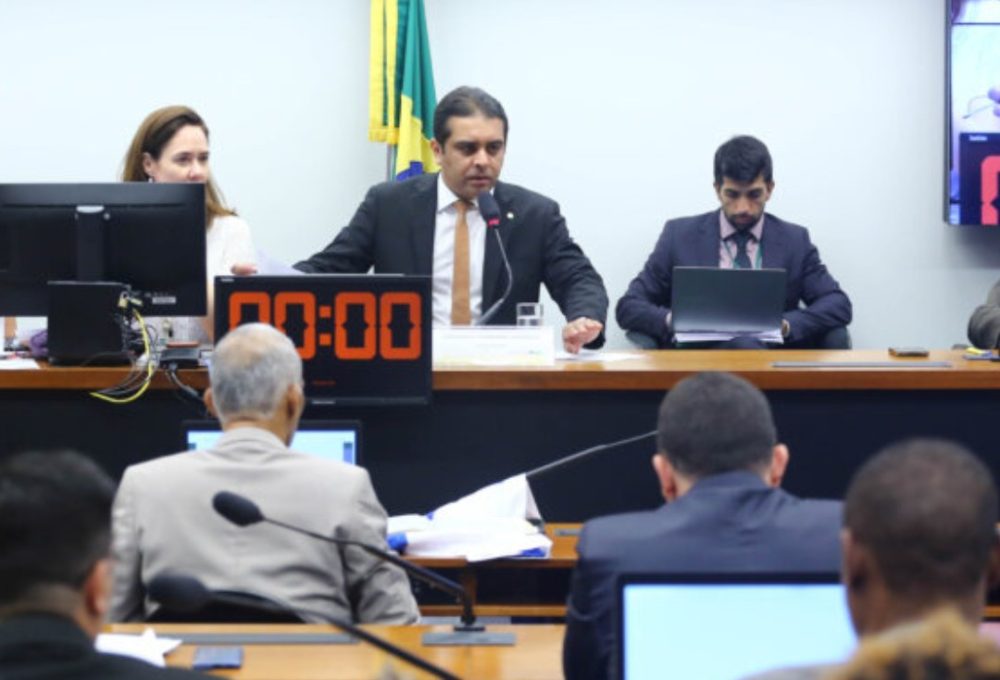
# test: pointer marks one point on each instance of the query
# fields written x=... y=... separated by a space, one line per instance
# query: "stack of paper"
x=490 y=523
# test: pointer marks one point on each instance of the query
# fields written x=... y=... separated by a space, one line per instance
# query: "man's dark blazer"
x=393 y=231
x=694 y=242
x=730 y=522
x=45 y=646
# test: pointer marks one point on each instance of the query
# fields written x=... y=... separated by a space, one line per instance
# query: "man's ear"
x=97 y=593
x=665 y=473
x=438 y=151
x=778 y=465
x=296 y=402
x=855 y=570
x=209 y=402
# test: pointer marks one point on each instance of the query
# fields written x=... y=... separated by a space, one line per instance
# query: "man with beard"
x=432 y=225
x=740 y=235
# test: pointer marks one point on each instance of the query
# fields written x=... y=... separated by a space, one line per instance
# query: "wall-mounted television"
x=972 y=184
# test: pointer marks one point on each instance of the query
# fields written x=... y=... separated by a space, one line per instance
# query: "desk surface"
x=642 y=370
x=564 y=536
x=535 y=656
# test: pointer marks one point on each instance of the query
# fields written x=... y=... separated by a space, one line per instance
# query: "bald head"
x=252 y=369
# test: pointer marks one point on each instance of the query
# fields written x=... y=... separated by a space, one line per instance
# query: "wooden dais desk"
x=485 y=424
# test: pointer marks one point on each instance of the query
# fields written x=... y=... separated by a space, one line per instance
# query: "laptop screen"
x=332 y=439
x=721 y=627
x=707 y=299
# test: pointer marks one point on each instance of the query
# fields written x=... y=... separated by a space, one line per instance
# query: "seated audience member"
x=740 y=236
x=719 y=466
x=164 y=520
x=942 y=646
x=55 y=572
x=984 y=325
x=431 y=225
x=171 y=145
x=919 y=536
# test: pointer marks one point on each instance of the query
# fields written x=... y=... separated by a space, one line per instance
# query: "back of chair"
x=223 y=609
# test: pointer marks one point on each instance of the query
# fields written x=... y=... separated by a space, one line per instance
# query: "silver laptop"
x=742 y=301
x=332 y=439
x=726 y=626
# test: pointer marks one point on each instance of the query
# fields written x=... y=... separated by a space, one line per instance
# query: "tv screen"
x=973 y=77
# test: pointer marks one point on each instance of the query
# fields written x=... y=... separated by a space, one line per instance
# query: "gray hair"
x=252 y=368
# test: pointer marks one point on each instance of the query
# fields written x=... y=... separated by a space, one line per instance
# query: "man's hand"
x=579 y=332
x=243 y=269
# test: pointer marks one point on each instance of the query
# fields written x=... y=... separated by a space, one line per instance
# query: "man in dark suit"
x=719 y=467
x=55 y=572
x=431 y=225
x=740 y=235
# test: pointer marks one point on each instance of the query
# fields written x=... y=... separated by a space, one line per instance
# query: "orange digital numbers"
x=377 y=338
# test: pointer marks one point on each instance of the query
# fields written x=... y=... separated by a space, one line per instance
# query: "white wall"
x=616 y=109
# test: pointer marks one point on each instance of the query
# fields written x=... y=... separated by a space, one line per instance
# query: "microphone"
x=490 y=211
x=186 y=594
x=572 y=458
x=243 y=512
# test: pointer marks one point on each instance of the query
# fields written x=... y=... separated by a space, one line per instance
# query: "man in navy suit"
x=740 y=234
x=431 y=225
x=719 y=467
x=55 y=572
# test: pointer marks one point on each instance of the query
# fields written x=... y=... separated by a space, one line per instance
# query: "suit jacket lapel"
x=773 y=243
x=423 y=220
x=708 y=241
x=492 y=260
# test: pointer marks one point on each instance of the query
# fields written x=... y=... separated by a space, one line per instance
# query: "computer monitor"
x=148 y=236
x=726 y=626
x=331 y=439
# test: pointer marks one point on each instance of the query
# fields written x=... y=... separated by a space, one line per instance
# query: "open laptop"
x=726 y=626
x=742 y=301
x=332 y=439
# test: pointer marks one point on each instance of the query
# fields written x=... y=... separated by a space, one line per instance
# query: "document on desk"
x=772 y=336
x=146 y=647
x=10 y=362
x=486 y=524
x=594 y=355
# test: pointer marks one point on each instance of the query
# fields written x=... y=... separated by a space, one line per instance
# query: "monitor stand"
x=87 y=323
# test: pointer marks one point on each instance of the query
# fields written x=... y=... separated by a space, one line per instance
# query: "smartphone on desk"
x=217 y=657
x=908 y=352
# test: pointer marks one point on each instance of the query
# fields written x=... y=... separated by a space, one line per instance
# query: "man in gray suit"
x=164 y=521
x=719 y=466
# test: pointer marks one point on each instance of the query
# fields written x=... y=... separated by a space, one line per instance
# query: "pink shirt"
x=727 y=248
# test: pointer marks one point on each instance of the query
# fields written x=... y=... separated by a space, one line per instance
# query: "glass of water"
x=529 y=313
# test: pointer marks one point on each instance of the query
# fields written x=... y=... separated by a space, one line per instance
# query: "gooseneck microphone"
x=186 y=594
x=579 y=456
x=243 y=512
x=490 y=211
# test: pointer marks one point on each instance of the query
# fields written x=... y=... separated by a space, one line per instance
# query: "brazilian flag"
x=401 y=89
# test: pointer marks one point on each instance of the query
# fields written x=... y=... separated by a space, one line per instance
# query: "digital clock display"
x=362 y=338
